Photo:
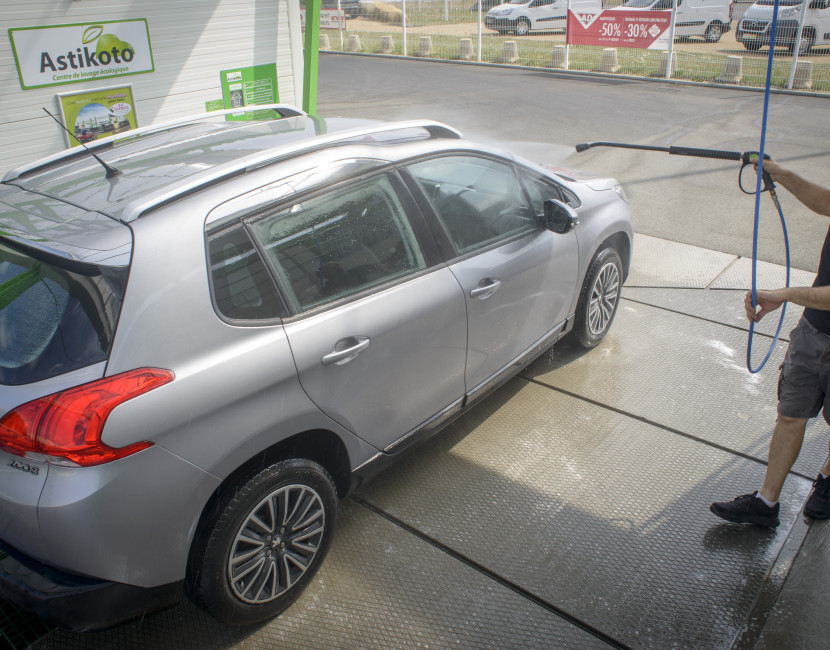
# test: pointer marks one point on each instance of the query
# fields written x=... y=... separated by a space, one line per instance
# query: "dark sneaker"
x=818 y=505
x=747 y=509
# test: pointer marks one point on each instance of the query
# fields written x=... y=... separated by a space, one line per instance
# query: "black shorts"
x=805 y=374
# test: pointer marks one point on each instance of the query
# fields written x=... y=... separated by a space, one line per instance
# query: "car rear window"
x=54 y=317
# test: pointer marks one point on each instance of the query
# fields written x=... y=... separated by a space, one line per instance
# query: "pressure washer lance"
x=747 y=158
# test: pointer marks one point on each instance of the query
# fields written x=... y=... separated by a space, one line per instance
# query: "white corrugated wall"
x=192 y=40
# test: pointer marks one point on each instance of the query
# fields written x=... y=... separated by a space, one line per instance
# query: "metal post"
x=567 y=33
x=479 y=29
x=797 y=43
x=340 y=27
x=403 y=19
x=671 y=39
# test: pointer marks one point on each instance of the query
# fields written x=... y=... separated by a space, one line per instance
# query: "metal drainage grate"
x=19 y=629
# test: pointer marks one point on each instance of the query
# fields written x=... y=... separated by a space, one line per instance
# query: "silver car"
x=216 y=329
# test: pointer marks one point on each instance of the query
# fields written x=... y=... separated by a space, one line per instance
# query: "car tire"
x=808 y=40
x=713 y=32
x=289 y=512
x=752 y=46
x=522 y=27
x=599 y=298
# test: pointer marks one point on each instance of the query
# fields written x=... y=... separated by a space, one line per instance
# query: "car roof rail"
x=284 y=110
x=357 y=136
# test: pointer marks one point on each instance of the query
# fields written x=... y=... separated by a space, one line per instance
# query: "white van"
x=754 y=29
x=524 y=16
x=707 y=18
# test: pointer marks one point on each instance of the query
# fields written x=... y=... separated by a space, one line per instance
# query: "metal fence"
x=455 y=30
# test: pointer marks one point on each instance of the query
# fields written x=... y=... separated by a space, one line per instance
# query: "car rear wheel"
x=598 y=298
x=264 y=541
x=713 y=33
x=522 y=27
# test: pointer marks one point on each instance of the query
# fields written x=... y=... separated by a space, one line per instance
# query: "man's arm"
x=813 y=196
x=813 y=297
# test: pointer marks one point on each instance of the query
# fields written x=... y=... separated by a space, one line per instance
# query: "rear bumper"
x=75 y=602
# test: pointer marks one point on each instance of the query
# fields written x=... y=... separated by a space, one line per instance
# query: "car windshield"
x=518 y=2
x=639 y=4
x=53 y=319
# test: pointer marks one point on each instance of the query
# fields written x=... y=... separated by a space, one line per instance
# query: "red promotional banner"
x=645 y=30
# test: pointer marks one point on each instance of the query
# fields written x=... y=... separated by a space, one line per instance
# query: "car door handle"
x=485 y=288
x=346 y=349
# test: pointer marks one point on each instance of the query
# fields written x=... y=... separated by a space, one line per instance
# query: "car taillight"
x=68 y=425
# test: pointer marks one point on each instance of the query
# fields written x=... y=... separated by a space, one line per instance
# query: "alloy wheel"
x=604 y=296
x=276 y=544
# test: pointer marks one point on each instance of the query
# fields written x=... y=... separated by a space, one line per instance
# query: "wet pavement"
x=570 y=509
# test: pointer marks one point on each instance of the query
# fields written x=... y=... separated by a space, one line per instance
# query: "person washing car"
x=804 y=383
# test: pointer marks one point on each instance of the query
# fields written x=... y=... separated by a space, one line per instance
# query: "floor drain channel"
x=19 y=629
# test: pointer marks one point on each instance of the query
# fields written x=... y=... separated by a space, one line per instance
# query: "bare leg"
x=783 y=450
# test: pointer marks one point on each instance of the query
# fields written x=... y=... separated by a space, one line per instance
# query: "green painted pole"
x=311 y=55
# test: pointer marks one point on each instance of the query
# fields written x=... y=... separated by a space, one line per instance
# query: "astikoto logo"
x=109 y=49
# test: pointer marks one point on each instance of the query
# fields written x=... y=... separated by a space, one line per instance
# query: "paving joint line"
x=664 y=427
x=696 y=317
x=480 y=568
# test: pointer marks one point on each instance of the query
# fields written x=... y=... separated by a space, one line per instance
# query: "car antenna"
x=111 y=171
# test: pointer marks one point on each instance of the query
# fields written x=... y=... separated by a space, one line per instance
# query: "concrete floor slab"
x=719 y=306
x=664 y=263
x=602 y=515
x=803 y=599
x=768 y=276
x=685 y=374
x=380 y=587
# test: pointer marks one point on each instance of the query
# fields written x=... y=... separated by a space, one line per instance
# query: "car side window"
x=479 y=201
x=540 y=190
x=339 y=243
x=242 y=286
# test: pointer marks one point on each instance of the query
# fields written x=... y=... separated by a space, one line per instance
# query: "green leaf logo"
x=91 y=33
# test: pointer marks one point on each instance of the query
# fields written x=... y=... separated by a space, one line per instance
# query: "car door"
x=379 y=333
x=518 y=277
x=547 y=14
x=822 y=20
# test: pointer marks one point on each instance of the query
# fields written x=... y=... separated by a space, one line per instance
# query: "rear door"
x=380 y=335
x=518 y=277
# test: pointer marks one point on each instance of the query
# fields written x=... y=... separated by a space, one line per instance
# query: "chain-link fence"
x=458 y=30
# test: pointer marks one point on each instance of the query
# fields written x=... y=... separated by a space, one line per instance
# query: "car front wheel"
x=598 y=298
x=522 y=27
x=264 y=541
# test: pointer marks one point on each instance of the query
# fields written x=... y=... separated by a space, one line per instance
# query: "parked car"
x=754 y=28
x=525 y=16
x=205 y=345
x=707 y=18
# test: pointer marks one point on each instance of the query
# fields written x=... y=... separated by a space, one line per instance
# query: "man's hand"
x=767 y=301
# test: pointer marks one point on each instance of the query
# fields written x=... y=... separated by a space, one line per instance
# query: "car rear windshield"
x=54 y=316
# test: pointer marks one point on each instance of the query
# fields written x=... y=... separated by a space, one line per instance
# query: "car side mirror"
x=559 y=217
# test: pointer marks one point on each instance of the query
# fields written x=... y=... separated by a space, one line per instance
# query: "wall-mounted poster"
x=256 y=84
x=65 y=54
x=94 y=114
